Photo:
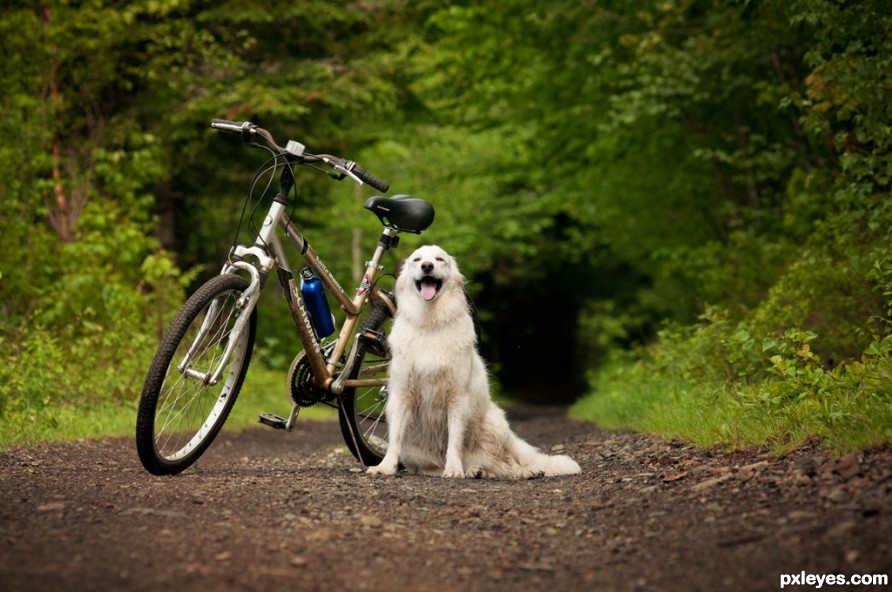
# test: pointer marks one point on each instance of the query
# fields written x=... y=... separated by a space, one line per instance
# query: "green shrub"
x=717 y=384
x=89 y=334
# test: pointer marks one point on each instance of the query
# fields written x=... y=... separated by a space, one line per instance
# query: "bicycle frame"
x=269 y=253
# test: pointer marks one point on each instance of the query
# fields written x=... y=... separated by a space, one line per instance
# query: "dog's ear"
x=457 y=281
x=457 y=276
x=401 y=278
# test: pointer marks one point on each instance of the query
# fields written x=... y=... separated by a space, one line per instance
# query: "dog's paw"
x=533 y=474
x=382 y=469
x=453 y=472
x=475 y=472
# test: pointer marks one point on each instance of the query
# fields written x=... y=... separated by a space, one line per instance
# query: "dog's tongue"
x=428 y=290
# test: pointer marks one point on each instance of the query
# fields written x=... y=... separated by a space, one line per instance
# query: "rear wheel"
x=361 y=412
x=180 y=412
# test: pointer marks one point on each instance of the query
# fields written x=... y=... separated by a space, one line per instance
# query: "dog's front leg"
x=455 y=443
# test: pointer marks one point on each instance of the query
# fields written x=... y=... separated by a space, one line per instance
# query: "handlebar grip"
x=231 y=126
x=369 y=178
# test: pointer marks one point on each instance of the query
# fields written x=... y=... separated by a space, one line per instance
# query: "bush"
x=88 y=336
x=718 y=384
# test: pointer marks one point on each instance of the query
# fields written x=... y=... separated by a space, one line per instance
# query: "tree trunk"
x=62 y=216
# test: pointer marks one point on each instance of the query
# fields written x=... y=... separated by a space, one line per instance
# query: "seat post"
x=389 y=238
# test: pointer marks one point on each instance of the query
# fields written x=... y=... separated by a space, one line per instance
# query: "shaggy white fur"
x=441 y=420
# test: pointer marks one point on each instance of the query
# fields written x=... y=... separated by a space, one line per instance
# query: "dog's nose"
x=427 y=267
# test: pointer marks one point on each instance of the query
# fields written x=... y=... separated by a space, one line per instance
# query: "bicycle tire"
x=361 y=410
x=179 y=416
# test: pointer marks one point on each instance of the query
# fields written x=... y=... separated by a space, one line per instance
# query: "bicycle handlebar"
x=345 y=167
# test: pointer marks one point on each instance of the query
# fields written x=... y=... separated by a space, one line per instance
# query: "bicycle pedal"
x=273 y=420
x=375 y=342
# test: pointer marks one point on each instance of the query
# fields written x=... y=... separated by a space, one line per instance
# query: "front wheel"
x=180 y=411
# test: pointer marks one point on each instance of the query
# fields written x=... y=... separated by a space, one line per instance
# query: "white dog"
x=441 y=420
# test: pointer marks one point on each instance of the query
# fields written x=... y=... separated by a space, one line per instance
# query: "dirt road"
x=266 y=509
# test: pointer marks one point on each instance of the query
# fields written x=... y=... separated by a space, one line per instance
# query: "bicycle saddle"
x=402 y=212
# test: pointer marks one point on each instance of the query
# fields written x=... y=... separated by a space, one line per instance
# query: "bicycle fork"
x=245 y=305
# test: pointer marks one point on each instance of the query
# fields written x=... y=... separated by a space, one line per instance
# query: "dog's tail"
x=536 y=463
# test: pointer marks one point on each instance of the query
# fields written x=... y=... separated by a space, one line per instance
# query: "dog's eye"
x=440 y=259
x=416 y=259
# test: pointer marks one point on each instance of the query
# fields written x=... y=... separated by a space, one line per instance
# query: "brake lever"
x=344 y=172
x=248 y=131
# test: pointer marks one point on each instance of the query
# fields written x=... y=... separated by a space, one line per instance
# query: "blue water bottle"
x=313 y=293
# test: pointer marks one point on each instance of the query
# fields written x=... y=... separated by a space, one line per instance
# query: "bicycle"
x=201 y=362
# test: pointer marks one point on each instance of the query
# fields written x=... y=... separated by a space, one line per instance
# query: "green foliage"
x=809 y=358
x=82 y=276
x=263 y=391
x=718 y=385
x=690 y=198
x=90 y=329
x=108 y=105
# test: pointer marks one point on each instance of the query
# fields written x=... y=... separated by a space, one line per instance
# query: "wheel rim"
x=189 y=410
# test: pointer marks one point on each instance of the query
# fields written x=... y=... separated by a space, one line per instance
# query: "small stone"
x=675 y=477
x=840 y=530
x=797 y=515
x=801 y=478
x=848 y=466
x=807 y=465
x=712 y=482
x=541 y=566
x=51 y=507
x=827 y=472
x=755 y=466
x=371 y=521
x=837 y=494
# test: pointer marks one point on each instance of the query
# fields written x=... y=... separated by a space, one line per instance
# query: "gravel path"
x=265 y=509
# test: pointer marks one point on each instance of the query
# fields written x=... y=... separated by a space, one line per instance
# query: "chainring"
x=301 y=388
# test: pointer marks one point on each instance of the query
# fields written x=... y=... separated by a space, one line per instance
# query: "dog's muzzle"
x=428 y=287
